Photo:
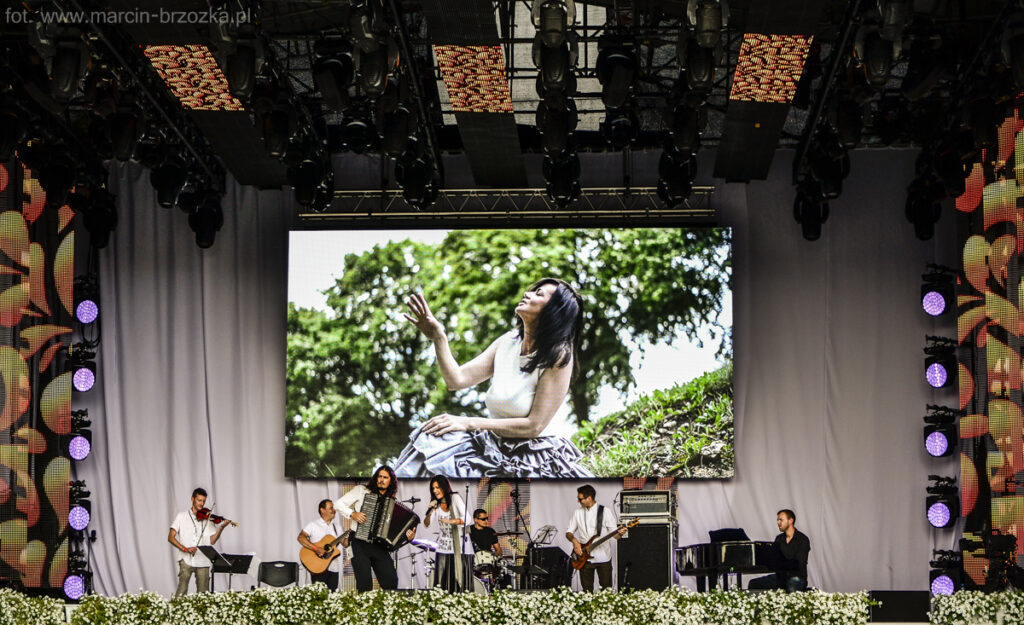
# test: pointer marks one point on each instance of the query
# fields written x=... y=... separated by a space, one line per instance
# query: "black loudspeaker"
x=907 y=606
x=645 y=557
x=555 y=562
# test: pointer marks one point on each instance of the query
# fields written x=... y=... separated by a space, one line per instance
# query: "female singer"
x=530 y=369
x=454 y=571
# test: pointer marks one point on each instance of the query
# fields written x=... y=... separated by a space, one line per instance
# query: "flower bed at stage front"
x=315 y=605
x=972 y=607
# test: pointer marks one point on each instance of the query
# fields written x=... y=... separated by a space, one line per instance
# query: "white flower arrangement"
x=973 y=607
x=19 y=609
x=315 y=605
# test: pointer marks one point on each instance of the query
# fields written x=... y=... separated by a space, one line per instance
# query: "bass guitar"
x=579 y=560
x=318 y=564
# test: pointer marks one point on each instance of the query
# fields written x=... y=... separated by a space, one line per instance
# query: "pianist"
x=368 y=555
x=794 y=547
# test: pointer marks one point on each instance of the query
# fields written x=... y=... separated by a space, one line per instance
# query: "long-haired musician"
x=368 y=556
x=454 y=570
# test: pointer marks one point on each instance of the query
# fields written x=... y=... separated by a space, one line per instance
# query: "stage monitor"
x=542 y=353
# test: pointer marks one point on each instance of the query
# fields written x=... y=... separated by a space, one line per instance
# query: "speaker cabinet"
x=645 y=557
x=555 y=563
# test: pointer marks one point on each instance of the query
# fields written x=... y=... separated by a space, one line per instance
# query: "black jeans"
x=328 y=577
x=773 y=582
x=366 y=556
x=604 y=576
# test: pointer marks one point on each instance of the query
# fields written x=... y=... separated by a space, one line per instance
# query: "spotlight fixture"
x=707 y=18
x=943 y=501
x=207 y=219
x=168 y=180
x=810 y=208
x=87 y=308
x=82 y=366
x=334 y=72
x=937 y=296
x=940 y=432
x=876 y=56
x=676 y=172
x=946 y=573
x=12 y=127
x=78 y=514
x=552 y=19
x=616 y=70
x=79 y=444
x=923 y=207
x=940 y=365
x=563 y=178
x=124 y=129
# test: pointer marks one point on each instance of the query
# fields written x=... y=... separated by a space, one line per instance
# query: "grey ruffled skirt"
x=484 y=454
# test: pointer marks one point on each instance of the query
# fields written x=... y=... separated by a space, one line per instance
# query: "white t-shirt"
x=583 y=525
x=444 y=537
x=191 y=532
x=316 y=530
x=511 y=391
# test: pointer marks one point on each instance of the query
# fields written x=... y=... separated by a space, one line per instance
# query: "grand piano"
x=729 y=551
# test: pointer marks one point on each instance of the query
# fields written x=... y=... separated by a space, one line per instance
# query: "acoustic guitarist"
x=322 y=543
x=588 y=522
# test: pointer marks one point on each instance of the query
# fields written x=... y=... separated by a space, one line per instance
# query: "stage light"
x=620 y=128
x=74 y=587
x=941 y=436
x=551 y=18
x=207 y=219
x=563 y=178
x=876 y=54
x=79 y=362
x=84 y=377
x=810 y=209
x=70 y=58
x=78 y=518
x=940 y=364
x=946 y=573
x=676 y=171
x=304 y=180
x=896 y=15
x=943 y=502
x=700 y=68
x=923 y=206
x=685 y=123
x=616 y=69
x=849 y=124
x=87 y=307
x=556 y=124
x=941 y=583
x=927 y=66
x=79 y=445
x=708 y=23
x=937 y=293
x=829 y=163
x=168 y=180
x=124 y=129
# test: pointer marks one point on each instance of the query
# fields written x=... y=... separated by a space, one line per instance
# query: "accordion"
x=386 y=521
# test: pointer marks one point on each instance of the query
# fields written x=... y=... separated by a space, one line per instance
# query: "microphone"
x=433 y=504
x=514 y=493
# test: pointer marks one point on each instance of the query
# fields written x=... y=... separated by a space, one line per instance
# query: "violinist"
x=190 y=530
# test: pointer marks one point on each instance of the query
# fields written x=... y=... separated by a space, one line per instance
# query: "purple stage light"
x=938 y=514
x=936 y=375
x=74 y=587
x=943 y=585
x=87 y=311
x=933 y=303
x=83 y=379
x=79 y=447
x=78 y=518
x=936 y=444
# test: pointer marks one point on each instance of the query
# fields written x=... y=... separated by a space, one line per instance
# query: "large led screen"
x=546 y=353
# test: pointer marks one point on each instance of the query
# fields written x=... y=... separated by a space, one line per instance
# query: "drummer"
x=483 y=537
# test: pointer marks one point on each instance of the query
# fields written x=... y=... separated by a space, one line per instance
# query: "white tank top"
x=511 y=392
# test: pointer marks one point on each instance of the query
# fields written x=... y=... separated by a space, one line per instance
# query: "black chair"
x=278 y=573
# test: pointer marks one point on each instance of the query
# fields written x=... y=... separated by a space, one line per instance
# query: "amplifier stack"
x=645 y=554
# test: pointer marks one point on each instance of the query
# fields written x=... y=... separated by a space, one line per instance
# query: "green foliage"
x=684 y=431
x=361 y=373
x=19 y=609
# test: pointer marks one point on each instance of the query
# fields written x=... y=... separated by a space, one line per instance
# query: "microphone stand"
x=528 y=576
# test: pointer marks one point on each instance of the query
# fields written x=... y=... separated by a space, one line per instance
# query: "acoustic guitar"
x=578 y=561
x=318 y=564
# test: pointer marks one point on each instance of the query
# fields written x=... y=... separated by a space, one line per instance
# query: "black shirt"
x=797 y=549
x=482 y=539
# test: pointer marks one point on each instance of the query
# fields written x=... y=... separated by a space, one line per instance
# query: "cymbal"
x=411 y=500
x=512 y=533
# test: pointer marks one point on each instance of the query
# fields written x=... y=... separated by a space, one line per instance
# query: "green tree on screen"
x=360 y=377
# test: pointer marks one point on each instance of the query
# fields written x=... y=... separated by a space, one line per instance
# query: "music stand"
x=226 y=563
x=545 y=535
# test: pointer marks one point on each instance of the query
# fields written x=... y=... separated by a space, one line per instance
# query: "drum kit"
x=490 y=572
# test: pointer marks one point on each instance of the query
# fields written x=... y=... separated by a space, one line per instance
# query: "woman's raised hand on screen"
x=423 y=319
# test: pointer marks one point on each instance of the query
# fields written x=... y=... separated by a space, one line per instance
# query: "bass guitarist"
x=592 y=521
x=312 y=537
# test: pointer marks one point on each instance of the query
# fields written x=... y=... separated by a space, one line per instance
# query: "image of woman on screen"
x=530 y=369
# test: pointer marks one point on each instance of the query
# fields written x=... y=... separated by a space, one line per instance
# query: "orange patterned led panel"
x=193 y=76
x=475 y=78
x=769 y=67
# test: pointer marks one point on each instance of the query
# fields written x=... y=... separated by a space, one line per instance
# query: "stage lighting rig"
x=13 y=125
x=552 y=18
x=80 y=363
x=616 y=70
x=207 y=219
x=937 y=293
x=276 y=118
x=923 y=207
x=563 y=178
x=124 y=129
x=946 y=574
x=556 y=124
x=168 y=179
x=875 y=55
x=810 y=208
x=65 y=53
x=87 y=301
x=707 y=18
x=620 y=128
x=79 y=442
x=943 y=501
x=940 y=364
x=240 y=54
x=334 y=72
x=676 y=172
x=895 y=15
x=828 y=162
x=941 y=434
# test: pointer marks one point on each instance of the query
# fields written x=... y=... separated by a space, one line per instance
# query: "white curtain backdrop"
x=829 y=385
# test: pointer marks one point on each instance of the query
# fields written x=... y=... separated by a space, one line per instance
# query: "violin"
x=205 y=513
